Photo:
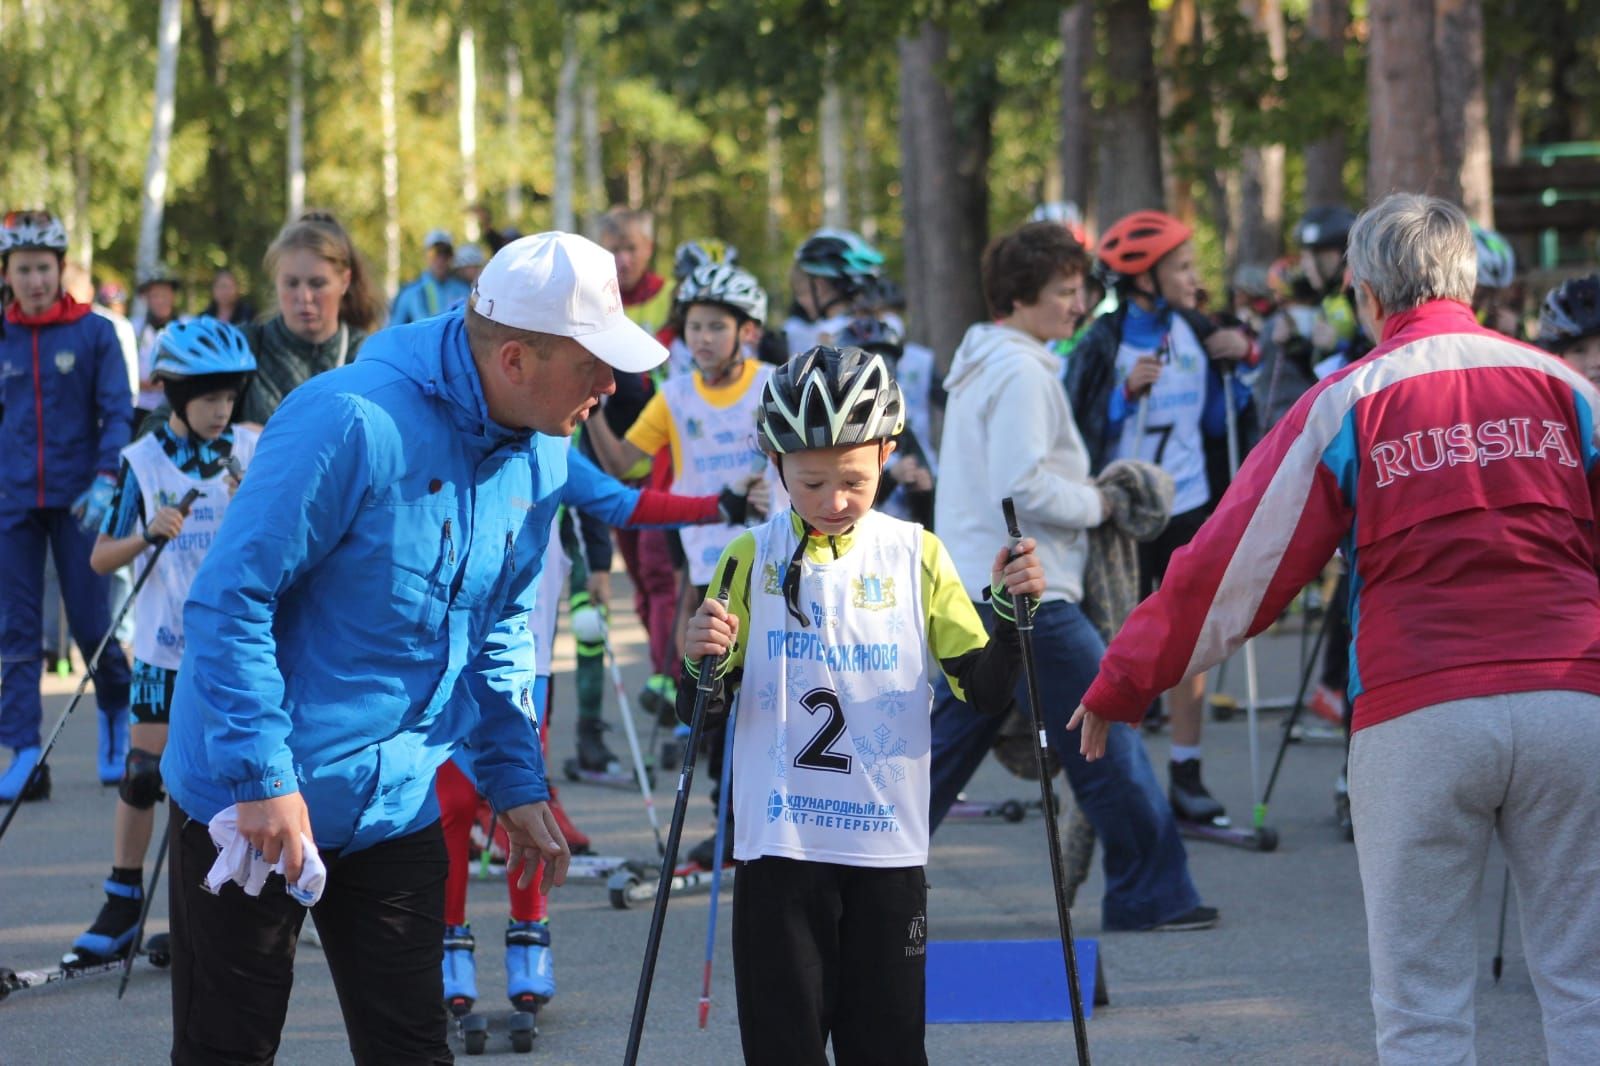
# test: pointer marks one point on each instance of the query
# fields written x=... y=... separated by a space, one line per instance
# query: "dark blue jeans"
x=1147 y=869
x=23 y=535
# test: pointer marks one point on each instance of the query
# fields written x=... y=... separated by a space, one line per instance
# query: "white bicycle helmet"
x=728 y=286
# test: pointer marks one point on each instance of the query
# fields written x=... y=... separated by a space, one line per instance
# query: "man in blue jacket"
x=364 y=612
x=65 y=412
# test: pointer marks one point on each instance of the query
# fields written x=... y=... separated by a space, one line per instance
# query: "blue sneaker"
x=113 y=752
x=460 y=970
x=530 y=972
x=16 y=776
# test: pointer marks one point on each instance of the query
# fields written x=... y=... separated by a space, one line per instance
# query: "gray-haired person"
x=1459 y=472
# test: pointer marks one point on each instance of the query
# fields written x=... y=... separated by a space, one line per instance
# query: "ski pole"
x=1251 y=706
x=632 y=732
x=89 y=668
x=1139 y=420
x=1299 y=705
x=724 y=792
x=1500 y=941
x=680 y=808
x=1022 y=607
x=144 y=909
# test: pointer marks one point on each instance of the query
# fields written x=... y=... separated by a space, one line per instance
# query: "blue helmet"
x=201 y=347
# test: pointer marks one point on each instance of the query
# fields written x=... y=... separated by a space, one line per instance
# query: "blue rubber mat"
x=1005 y=980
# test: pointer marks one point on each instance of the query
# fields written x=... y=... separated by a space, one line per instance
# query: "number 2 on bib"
x=816 y=755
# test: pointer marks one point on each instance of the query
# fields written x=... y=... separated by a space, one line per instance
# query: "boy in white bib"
x=839 y=615
x=205 y=366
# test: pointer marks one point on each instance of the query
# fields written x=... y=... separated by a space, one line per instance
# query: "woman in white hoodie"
x=1008 y=431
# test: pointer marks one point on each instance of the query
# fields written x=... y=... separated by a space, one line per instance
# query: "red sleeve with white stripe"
x=1275 y=528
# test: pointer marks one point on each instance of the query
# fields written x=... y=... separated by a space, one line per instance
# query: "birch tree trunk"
x=1077 y=55
x=830 y=128
x=467 y=121
x=774 y=232
x=514 y=133
x=566 y=118
x=153 y=200
x=594 y=182
x=296 y=153
x=391 y=149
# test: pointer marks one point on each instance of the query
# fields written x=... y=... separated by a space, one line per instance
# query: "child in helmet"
x=1145 y=382
x=1569 y=324
x=1495 y=299
x=839 y=617
x=203 y=366
x=832 y=270
x=65 y=413
x=705 y=419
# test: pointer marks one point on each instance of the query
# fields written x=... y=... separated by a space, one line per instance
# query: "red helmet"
x=1136 y=242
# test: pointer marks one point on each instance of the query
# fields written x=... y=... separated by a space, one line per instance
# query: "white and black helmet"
x=829 y=397
x=32 y=230
x=735 y=289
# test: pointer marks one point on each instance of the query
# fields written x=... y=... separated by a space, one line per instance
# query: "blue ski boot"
x=111 y=935
x=113 y=751
x=16 y=776
x=460 y=971
x=530 y=972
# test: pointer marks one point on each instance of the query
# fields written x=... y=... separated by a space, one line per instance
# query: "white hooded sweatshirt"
x=1008 y=431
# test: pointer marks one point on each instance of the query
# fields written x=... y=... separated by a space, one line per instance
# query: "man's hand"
x=711 y=631
x=1018 y=570
x=534 y=837
x=912 y=474
x=1092 y=745
x=1228 y=344
x=274 y=826
x=599 y=586
x=1142 y=376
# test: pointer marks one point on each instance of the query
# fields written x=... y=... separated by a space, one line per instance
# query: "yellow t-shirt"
x=654 y=429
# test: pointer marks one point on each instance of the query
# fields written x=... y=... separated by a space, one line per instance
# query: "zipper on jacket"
x=450 y=544
x=527 y=706
x=38 y=411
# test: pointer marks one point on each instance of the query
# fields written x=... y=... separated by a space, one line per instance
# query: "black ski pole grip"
x=1012 y=529
x=183 y=508
x=708 y=663
x=235 y=467
x=1022 y=605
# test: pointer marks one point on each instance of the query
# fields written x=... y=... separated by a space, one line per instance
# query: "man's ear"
x=512 y=359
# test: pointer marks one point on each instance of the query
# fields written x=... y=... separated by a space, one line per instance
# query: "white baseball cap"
x=565 y=285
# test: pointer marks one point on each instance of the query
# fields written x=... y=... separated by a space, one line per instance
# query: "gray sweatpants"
x=1426 y=791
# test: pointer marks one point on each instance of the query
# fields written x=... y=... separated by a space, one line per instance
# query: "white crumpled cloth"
x=238 y=861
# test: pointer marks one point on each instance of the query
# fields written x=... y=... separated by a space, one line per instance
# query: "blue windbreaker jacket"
x=364 y=608
x=65 y=408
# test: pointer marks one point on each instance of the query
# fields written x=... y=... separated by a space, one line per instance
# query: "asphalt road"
x=1283 y=979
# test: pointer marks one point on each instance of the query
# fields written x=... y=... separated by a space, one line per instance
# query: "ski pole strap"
x=706 y=682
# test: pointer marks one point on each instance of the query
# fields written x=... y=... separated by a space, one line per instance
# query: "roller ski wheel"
x=473 y=1029
x=1010 y=810
x=1263 y=839
x=637 y=885
x=522 y=1029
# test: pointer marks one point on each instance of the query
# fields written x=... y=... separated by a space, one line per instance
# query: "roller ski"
x=461 y=995
x=636 y=884
x=1201 y=817
x=1010 y=810
x=157 y=951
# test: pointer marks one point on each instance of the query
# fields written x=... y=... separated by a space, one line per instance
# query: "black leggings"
x=821 y=949
x=381 y=920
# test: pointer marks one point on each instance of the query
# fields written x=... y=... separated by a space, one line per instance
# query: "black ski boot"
x=1190 y=800
x=593 y=755
x=703 y=852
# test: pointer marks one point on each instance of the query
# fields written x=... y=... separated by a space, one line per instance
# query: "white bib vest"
x=1172 y=436
x=831 y=745
x=158 y=614
x=719 y=449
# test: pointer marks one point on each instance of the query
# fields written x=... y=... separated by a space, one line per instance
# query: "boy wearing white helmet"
x=204 y=366
x=839 y=619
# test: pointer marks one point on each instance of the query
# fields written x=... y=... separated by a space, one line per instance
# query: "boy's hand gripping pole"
x=706 y=683
x=1022 y=607
x=88 y=669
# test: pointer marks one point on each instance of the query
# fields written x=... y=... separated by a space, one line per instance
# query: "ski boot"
x=660 y=698
x=111 y=935
x=1190 y=800
x=16 y=776
x=1328 y=704
x=577 y=841
x=1341 y=806
x=593 y=755
x=113 y=750
x=460 y=971
x=530 y=972
x=1155 y=717
x=702 y=854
